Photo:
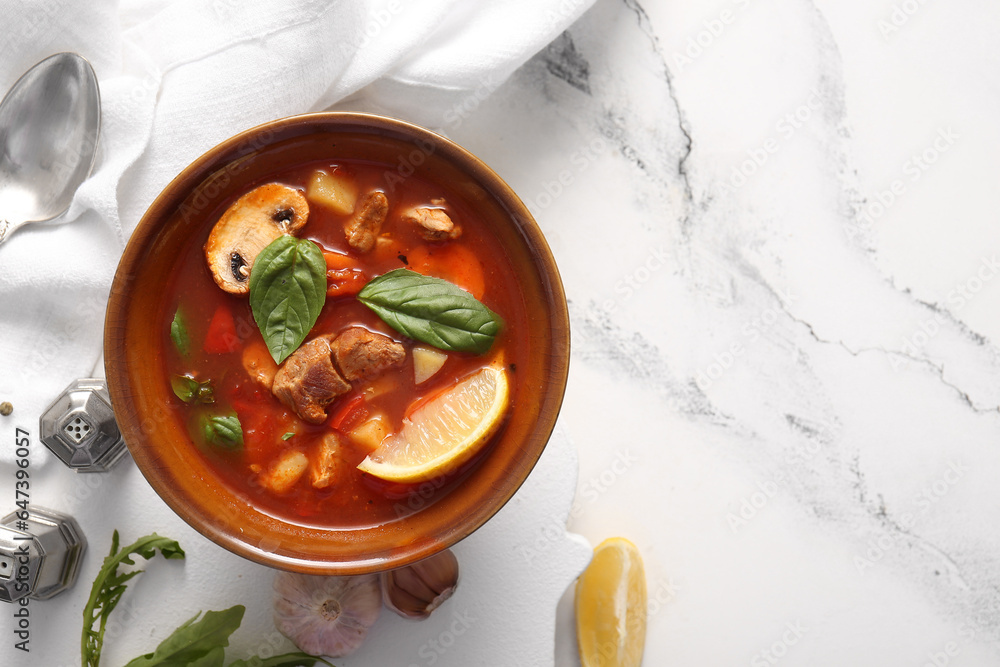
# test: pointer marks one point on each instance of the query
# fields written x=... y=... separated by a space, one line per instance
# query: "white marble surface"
x=512 y=574
x=773 y=221
x=776 y=225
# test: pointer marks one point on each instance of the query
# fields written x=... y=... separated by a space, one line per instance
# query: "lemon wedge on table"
x=611 y=607
x=445 y=432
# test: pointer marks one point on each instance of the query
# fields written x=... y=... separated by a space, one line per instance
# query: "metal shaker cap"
x=40 y=554
x=80 y=428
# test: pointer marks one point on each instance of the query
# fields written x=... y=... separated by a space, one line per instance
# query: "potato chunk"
x=426 y=363
x=370 y=433
x=259 y=364
x=287 y=470
x=336 y=191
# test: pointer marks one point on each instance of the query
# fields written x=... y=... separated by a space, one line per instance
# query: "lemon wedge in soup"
x=446 y=431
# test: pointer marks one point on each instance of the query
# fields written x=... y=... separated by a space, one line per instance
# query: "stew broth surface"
x=476 y=261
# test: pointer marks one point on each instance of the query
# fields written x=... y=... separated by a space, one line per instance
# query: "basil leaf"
x=190 y=390
x=287 y=292
x=205 y=394
x=223 y=431
x=179 y=333
x=432 y=310
x=196 y=642
x=288 y=436
x=286 y=660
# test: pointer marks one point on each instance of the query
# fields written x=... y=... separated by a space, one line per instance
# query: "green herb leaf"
x=179 y=333
x=288 y=436
x=196 y=642
x=287 y=292
x=432 y=310
x=110 y=585
x=223 y=431
x=190 y=390
x=286 y=660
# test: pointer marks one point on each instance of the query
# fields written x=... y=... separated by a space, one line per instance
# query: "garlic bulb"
x=326 y=615
x=417 y=590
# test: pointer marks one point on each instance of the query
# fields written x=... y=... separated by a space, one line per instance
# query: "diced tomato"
x=258 y=423
x=221 y=337
x=336 y=261
x=345 y=282
x=343 y=275
x=452 y=261
x=349 y=414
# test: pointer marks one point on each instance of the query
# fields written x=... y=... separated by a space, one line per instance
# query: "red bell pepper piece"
x=221 y=337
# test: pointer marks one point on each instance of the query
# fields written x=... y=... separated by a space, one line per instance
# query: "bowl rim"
x=225 y=153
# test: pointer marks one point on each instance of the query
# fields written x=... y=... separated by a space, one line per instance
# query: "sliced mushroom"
x=247 y=227
x=433 y=224
x=364 y=228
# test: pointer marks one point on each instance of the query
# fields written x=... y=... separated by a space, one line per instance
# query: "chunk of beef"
x=433 y=224
x=307 y=382
x=326 y=461
x=360 y=353
x=364 y=228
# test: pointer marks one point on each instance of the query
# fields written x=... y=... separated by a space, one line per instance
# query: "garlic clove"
x=326 y=615
x=408 y=580
x=417 y=590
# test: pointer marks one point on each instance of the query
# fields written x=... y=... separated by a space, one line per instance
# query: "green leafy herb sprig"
x=110 y=585
x=190 y=390
x=223 y=431
x=179 y=333
x=199 y=642
x=202 y=642
x=432 y=310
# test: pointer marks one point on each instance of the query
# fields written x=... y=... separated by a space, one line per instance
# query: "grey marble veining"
x=774 y=222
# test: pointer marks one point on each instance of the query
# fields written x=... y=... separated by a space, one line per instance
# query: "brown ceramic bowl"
x=159 y=443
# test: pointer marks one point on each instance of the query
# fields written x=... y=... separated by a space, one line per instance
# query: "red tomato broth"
x=355 y=499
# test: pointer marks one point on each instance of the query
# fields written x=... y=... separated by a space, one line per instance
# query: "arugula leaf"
x=432 y=310
x=179 y=333
x=110 y=585
x=197 y=642
x=190 y=390
x=286 y=660
x=223 y=431
x=287 y=292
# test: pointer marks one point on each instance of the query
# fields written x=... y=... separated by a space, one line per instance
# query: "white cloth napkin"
x=178 y=77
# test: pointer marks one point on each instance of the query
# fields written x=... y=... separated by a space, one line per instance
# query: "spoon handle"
x=7 y=228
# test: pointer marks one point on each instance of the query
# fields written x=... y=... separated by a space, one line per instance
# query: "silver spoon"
x=49 y=125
